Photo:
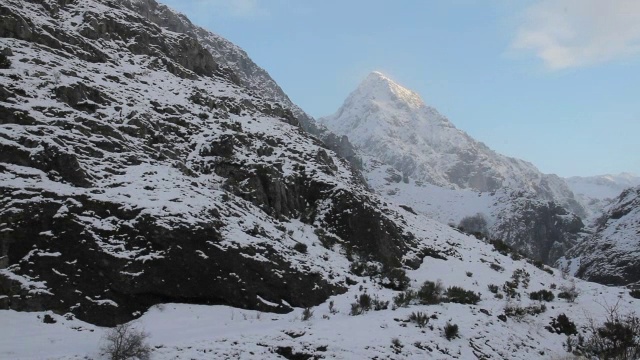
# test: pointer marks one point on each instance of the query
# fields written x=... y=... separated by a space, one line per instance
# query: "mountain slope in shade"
x=393 y=124
x=611 y=255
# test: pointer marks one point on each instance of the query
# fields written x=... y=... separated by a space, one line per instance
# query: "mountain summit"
x=393 y=124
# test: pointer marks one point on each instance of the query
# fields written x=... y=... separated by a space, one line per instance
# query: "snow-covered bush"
x=542 y=295
x=125 y=342
x=405 y=298
x=430 y=293
x=459 y=295
x=617 y=338
x=451 y=331
x=419 y=318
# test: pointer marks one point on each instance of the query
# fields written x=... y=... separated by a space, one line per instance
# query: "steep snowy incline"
x=135 y=170
x=393 y=124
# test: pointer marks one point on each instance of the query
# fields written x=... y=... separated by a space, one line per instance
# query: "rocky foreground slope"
x=136 y=169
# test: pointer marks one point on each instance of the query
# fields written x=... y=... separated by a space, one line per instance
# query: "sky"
x=553 y=82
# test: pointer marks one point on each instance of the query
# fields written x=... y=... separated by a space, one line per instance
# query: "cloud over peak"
x=574 y=33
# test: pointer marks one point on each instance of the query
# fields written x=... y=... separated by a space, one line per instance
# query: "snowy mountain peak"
x=382 y=90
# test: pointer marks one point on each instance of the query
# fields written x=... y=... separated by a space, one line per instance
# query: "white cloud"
x=573 y=33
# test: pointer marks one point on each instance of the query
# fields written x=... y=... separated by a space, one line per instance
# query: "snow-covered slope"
x=595 y=192
x=183 y=331
x=135 y=169
x=611 y=255
x=393 y=124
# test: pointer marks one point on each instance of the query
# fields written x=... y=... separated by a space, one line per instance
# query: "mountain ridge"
x=418 y=141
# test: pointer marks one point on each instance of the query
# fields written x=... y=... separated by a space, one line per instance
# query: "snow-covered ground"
x=184 y=331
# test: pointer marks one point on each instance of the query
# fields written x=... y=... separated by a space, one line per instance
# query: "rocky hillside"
x=611 y=254
x=135 y=169
x=252 y=77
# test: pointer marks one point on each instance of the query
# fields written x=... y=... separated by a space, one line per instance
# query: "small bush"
x=562 y=325
x=635 y=293
x=520 y=312
x=496 y=267
x=469 y=274
x=306 y=314
x=365 y=303
x=430 y=293
x=300 y=247
x=396 y=345
x=419 y=318
x=378 y=304
x=542 y=295
x=493 y=288
x=459 y=295
x=569 y=293
x=405 y=298
x=396 y=279
x=124 y=342
x=617 y=338
x=5 y=63
x=451 y=331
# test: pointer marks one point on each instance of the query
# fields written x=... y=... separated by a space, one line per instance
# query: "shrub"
x=569 y=293
x=451 y=331
x=469 y=274
x=635 y=293
x=496 y=267
x=378 y=304
x=430 y=293
x=5 y=63
x=405 y=298
x=365 y=303
x=306 y=314
x=421 y=319
x=562 y=325
x=300 y=247
x=493 y=288
x=475 y=225
x=501 y=247
x=396 y=279
x=521 y=276
x=617 y=338
x=542 y=295
x=459 y=295
x=396 y=345
x=520 y=312
x=125 y=342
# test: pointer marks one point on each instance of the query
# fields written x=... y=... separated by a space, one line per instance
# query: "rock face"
x=252 y=77
x=135 y=168
x=611 y=255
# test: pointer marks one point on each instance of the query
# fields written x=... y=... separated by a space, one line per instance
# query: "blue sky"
x=554 y=82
